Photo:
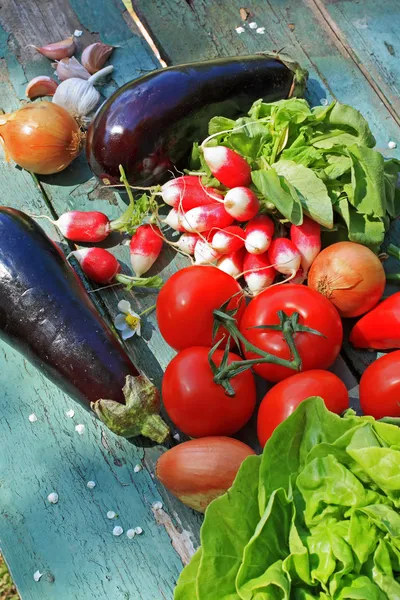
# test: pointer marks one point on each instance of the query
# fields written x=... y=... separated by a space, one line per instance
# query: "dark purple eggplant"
x=46 y=314
x=149 y=125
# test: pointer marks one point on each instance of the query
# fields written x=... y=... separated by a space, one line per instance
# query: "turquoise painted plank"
x=371 y=32
x=74 y=543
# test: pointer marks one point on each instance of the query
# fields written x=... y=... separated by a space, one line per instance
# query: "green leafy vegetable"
x=317 y=516
x=325 y=162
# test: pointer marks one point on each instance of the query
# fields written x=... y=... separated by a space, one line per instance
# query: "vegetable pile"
x=318 y=161
x=316 y=516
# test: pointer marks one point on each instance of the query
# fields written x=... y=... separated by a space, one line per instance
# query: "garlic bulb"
x=79 y=96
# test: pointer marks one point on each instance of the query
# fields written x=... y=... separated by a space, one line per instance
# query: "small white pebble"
x=37 y=575
x=138 y=530
x=324 y=102
x=78 y=33
x=392 y=145
x=32 y=418
x=157 y=505
x=177 y=437
x=253 y=25
x=80 y=429
x=91 y=484
x=53 y=498
x=130 y=533
x=70 y=413
x=118 y=530
x=137 y=468
x=260 y=30
x=111 y=514
x=240 y=29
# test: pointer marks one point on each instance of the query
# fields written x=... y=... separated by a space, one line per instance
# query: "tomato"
x=380 y=387
x=197 y=405
x=186 y=303
x=315 y=311
x=285 y=397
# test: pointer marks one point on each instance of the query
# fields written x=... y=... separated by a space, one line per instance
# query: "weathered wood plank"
x=372 y=38
x=77 y=549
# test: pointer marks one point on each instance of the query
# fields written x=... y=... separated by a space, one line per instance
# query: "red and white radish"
x=173 y=220
x=307 y=239
x=285 y=257
x=184 y=194
x=204 y=253
x=187 y=242
x=231 y=169
x=228 y=240
x=98 y=264
x=259 y=234
x=258 y=272
x=204 y=218
x=233 y=263
x=84 y=226
x=242 y=203
x=300 y=277
x=145 y=248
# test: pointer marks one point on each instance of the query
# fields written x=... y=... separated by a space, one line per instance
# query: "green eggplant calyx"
x=139 y=415
x=300 y=75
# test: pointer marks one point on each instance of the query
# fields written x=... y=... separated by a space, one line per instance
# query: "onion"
x=200 y=470
x=350 y=275
x=41 y=137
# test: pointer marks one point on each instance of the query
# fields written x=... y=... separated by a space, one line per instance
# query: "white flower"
x=91 y=484
x=37 y=575
x=137 y=468
x=32 y=418
x=53 y=498
x=80 y=429
x=131 y=533
x=118 y=530
x=111 y=514
x=70 y=413
x=128 y=323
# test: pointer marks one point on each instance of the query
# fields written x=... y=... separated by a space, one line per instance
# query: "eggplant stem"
x=393 y=277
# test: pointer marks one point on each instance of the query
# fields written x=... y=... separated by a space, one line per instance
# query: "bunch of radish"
x=222 y=228
x=230 y=232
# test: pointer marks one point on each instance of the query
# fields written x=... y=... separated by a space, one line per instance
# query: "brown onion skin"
x=198 y=471
x=362 y=263
x=41 y=137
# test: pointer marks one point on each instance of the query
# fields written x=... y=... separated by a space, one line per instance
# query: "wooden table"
x=351 y=49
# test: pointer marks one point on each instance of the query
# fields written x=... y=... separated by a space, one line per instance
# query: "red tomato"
x=197 y=405
x=380 y=387
x=186 y=303
x=315 y=311
x=285 y=397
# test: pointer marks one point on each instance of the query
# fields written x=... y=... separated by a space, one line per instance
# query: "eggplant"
x=149 y=125
x=46 y=314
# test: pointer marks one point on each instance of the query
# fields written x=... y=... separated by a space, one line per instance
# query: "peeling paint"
x=180 y=541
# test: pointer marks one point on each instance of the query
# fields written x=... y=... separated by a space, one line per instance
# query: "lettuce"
x=319 y=161
x=316 y=516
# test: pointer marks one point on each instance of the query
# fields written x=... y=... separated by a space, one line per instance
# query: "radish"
x=203 y=218
x=285 y=257
x=232 y=263
x=259 y=233
x=187 y=242
x=183 y=194
x=258 y=272
x=242 y=203
x=98 y=264
x=82 y=226
x=145 y=248
x=307 y=239
x=300 y=277
x=228 y=240
x=173 y=220
x=231 y=169
x=204 y=254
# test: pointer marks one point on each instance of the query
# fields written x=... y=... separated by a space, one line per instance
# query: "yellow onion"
x=350 y=275
x=198 y=471
x=41 y=137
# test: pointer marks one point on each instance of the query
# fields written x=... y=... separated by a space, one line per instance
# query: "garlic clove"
x=95 y=56
x=58 y=50
x=40 y=86
x=67 y=68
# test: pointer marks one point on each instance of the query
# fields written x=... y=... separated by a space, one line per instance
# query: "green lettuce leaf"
x=342 y=125
x=362 y=228
x=310 y=189
x=186 y=586
x=277 y=190
x=367 y=179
